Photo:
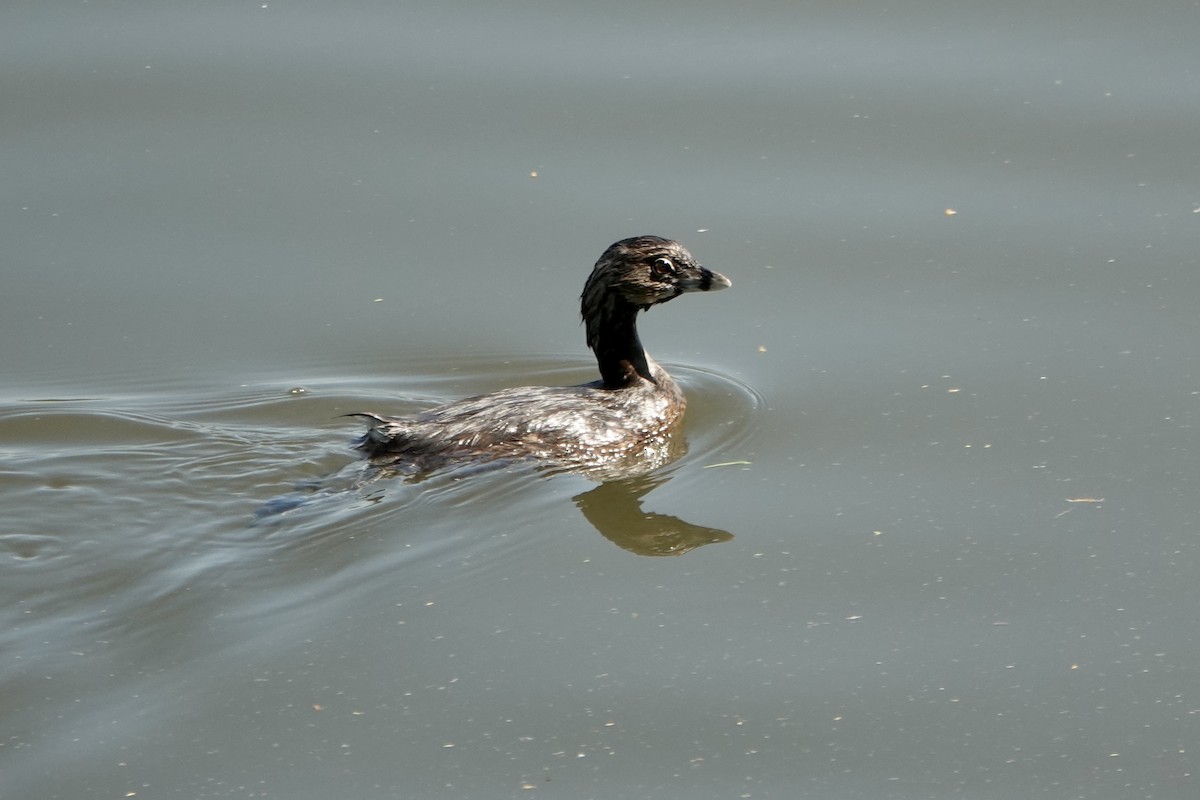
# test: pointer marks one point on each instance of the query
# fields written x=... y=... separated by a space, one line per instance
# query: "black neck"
x=618 y=350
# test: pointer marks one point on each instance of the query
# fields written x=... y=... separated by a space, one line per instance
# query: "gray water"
x=940 y=433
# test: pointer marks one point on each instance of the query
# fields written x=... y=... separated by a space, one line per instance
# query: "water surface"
x=940 y=432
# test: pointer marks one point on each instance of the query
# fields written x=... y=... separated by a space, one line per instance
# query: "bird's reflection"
x=615 y=509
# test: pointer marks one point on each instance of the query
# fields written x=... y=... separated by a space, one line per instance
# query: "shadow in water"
x=614 y=507
x=615 y=510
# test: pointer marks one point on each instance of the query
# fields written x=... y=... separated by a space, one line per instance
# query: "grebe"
x=620 y=423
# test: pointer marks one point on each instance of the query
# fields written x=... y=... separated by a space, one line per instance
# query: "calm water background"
x=211 y=207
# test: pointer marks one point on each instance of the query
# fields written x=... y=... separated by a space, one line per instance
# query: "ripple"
x=124 y=509
x=722 y=414
x=21 y=548
x=74 y=424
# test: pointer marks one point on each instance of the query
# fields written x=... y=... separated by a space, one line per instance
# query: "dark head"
x=639 y=273
x=633 y=275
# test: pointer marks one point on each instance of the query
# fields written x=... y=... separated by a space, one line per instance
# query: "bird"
x=620 y=424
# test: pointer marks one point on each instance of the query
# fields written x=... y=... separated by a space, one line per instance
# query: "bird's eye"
x=663 y=266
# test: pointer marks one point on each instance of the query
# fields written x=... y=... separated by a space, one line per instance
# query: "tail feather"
x=380 y=432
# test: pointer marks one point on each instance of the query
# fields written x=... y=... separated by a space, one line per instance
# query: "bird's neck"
x=614 y=339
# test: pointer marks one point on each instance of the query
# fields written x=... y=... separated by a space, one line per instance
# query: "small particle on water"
x=377 y=300
x=1094 y=501
x=762 y=348
x=953 y=390
x=533 y=173
x=950 y=212
x=296 y=391
x=318 y=707
x=853 y=617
